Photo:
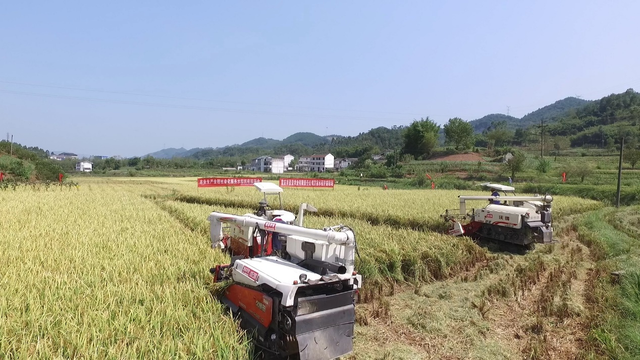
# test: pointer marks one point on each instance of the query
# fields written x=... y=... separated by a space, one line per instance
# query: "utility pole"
x=619 y=173
x=11 y=147
x=541 y=138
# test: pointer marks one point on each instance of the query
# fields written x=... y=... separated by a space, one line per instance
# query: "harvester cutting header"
x=521 y=220
x=293 y=288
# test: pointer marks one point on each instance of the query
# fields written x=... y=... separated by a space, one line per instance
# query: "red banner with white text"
x=220 y=181
x=313 y=183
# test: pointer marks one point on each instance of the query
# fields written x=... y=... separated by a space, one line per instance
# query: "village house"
x=316 y=163
x=344 y=163
x=276 y=165
x=63 y=155
x=84 y=166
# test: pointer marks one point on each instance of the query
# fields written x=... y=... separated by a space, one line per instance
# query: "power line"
x=192 y=107
x=197 y=99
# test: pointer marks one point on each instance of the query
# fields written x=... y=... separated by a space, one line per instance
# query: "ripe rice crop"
x=103 y=273
x=118 y=268
x=415 y=209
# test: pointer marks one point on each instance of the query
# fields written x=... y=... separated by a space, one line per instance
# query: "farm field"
x=118 y=268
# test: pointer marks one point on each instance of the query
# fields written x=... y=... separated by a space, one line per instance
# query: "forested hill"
x=377 y=140
x=173 y=152
x=548 y=114
x=553 y=112
x=21 y=163
x=484 y=122
x=303 y=138
x=295 y=142
x=601 y=123
x=300 y=144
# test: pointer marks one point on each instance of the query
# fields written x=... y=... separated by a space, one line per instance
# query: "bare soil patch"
x=461 y=157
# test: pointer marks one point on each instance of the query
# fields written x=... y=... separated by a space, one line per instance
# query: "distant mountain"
x=167 y=153
x=376 y=140
x=549 y=114
x=261 y=142
x=553 y=112
x=173 y=152
x=306 y=138
x=601 y=123
x=379 y=139
x=333 y=137
x=484 y=122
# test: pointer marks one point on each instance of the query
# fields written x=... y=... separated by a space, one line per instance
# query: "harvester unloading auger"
x=293 y=288
x=520 y=220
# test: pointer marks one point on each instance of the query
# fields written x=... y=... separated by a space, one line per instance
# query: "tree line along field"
x=118 y=268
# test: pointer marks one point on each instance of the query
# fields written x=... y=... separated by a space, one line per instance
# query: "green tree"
x=543 y=165
x=498 y=134
x=420 y=138
x=520 y=137
x=112 y=163
x=459 y=133
x=560 y=143
x=580 y=170
x=632 y=156
x=48 y=170
x=516 y=163
x=133 y=162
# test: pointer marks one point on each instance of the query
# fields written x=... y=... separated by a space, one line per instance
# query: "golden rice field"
x=103 y=273
x=402 y=207
x=118 y=268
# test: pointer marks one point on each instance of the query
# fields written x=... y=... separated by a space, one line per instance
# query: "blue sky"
x=129 y=78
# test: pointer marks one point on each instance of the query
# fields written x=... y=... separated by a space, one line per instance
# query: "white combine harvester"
x=521 y=220
x=294 y=288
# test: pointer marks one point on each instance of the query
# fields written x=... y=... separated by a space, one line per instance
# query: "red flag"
x=1 y=176
x=564 y=177
x=429 y=176
x=433 y=185
x=60 y=177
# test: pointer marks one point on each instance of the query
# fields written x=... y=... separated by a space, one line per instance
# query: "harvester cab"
x=521 y=220
x=265 y=211
x=293 y=288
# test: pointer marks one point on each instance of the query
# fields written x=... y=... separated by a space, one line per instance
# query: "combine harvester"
x=293 y=288
x=520 y=220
